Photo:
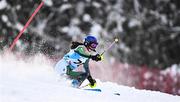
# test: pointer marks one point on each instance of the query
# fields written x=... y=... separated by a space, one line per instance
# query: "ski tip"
x=97 y=90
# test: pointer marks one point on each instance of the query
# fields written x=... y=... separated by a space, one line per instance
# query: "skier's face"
x=93 y=46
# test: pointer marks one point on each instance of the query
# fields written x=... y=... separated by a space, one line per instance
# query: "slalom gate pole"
x=115 y=41
x=26 y=25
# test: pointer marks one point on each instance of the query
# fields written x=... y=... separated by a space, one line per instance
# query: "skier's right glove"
x=96 y=57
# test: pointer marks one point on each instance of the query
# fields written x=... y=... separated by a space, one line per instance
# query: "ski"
x=97 y=90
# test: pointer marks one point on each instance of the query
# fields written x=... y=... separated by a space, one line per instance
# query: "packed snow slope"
x=34 y=80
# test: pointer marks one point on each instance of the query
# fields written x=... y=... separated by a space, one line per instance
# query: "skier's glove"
x=92 y=81
x=96 y=57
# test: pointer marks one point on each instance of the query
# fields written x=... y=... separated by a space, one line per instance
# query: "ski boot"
x=75 y=83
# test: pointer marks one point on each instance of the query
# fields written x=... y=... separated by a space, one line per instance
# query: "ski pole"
x=115 y=41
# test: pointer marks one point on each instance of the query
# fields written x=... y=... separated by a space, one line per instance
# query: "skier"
x=80 y=54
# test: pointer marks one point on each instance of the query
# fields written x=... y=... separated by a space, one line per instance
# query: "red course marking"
x=26 y=25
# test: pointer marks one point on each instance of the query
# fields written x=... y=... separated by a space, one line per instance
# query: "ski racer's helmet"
x=91 y=42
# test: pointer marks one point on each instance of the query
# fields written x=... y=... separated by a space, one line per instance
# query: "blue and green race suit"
x=72 y=60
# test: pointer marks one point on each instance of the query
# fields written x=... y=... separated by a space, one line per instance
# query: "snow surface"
x=34 y=80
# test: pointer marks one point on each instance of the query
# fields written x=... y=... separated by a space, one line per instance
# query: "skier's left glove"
x=92 y=81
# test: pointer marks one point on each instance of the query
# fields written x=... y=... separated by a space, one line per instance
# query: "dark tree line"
x=148 y=29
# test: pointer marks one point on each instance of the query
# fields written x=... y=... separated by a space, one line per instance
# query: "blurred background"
x=146 y=57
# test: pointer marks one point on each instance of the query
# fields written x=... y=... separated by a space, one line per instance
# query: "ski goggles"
x=94 y=45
